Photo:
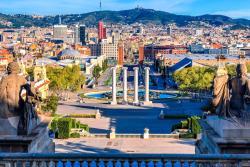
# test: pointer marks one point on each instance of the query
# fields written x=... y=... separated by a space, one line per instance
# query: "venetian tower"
x=41 y=81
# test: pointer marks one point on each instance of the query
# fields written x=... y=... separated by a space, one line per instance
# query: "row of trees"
x=61 y=79
x=97 y=72
x=50 y=104
x=200 y=78
x=194 y=78
x=67 y=78
x=97 y=69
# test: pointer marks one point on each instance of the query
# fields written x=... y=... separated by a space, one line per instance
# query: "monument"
x=114 y=100
x=125 y=85
x=136 y=86
x=136 y=101
x=228 y=129
x=21 y=129
x=146 y=96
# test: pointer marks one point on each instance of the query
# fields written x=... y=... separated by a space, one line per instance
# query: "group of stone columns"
x=136 y=86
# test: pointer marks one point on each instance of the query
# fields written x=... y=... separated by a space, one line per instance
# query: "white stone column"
x=114 y=101
x=146 y=96
x=136 y=99
x=125 y=85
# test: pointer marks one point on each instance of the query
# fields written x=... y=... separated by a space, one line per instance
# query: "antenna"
x=100 y=5
x=137 y=6
x=60 y=20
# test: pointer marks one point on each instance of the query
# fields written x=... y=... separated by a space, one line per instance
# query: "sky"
x=232 y=8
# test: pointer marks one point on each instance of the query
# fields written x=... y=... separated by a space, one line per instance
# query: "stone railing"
x=123 y=160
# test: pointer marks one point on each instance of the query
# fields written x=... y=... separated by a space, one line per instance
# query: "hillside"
x=144 y=16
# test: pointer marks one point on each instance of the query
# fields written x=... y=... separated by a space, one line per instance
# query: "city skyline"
x=231 y=8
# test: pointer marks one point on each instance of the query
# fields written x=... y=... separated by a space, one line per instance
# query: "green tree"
x=50 y=104
x=231 y=70
x=67 y=78
x=105 y=65
x=194 y=78
x=97 y=72
x=30 y=72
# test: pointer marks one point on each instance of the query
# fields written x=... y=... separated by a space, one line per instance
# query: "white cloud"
x=235 y=13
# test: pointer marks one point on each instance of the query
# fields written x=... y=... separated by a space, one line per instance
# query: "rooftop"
x=199 y=56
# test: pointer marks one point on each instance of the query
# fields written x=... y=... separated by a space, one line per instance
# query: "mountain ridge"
x=130 y=16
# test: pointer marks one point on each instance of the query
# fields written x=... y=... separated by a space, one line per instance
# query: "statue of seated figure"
x=17 y=112
x=231 y=96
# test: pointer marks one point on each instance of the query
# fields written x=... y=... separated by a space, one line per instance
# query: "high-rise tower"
x=100 y=30
x=82 y=34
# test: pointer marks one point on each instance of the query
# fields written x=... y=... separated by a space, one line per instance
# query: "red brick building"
x=141 y=53
x=120 y=59
x=150 y=51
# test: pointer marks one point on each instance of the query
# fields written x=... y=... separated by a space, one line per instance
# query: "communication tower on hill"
x=100 y=5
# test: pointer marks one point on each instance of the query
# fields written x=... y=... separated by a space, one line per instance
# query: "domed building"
x=70 y=54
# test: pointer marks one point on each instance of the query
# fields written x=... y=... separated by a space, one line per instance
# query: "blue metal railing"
x=126 y=160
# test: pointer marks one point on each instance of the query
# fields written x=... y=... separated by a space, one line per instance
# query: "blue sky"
x=232 y=8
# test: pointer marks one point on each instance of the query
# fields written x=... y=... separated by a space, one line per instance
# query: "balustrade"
x=123 y=160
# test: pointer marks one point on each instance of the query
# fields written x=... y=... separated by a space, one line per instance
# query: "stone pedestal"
x=125 y=85
x=114 y=101
x=147 y=103
x=228 y=128
x=221 y=136
x=112 y=134
x=146 y=133
x=136 y=98
x=98 y=114
x=9 y=126
x=37 y=141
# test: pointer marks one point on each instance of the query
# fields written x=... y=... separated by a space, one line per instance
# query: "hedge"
x=184 y=124
x=175 y=116
x=181 y=125
x=85 y=127
x=53 y=125
x=192 y=124
x=75 y=135
x=187 y=135
x=64 y=126
x=82 y=115
x=195 y=126
x=78 y=124
x=73 y=123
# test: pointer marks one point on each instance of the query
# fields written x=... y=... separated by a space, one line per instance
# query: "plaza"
x=131 y=119
x=126 y=109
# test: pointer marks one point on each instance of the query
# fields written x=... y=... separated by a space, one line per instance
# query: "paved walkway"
x=104 y=76
x=103 y=145
x=131 y=119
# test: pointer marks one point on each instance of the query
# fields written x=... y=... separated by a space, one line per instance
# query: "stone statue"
x=221 y=94
x=16 y=104
x=231 y=96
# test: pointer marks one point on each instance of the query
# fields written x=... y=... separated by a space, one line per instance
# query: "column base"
x=136 y=103
x=112 y=135
x=124 y=102
x=113 y=102
x=147 y=103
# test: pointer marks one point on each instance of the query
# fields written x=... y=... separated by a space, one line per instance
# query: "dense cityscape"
x=99 y=89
